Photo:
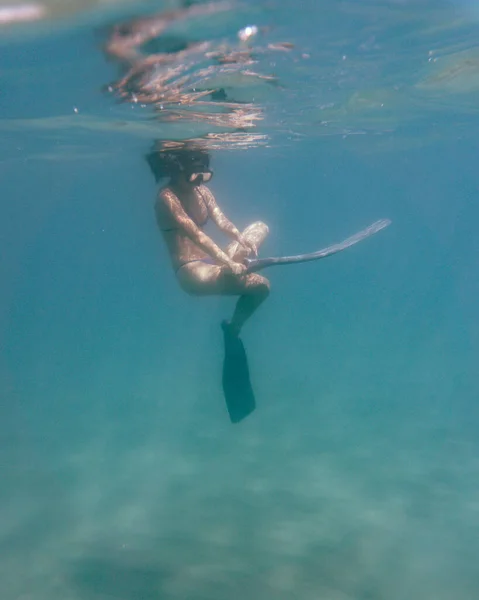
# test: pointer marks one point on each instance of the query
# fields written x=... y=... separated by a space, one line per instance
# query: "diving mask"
x=200 y=177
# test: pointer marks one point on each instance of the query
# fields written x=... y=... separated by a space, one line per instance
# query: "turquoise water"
x=357 y=476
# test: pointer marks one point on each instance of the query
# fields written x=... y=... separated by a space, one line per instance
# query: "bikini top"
x=199 y=224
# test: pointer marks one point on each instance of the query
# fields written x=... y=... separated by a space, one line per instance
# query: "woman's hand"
x=237 y=269
x=250 y=246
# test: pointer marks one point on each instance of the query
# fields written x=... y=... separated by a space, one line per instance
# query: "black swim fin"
x=238 y=392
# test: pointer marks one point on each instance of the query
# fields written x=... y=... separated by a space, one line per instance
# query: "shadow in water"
x=119 y=578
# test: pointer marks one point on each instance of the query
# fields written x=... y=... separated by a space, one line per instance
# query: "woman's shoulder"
x=165 y=194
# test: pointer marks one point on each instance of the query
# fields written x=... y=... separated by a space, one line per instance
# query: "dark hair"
x=170 y=162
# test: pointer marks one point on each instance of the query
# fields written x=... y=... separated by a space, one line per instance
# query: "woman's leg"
x=248 y=303
x=201 y=279
x=255 y=233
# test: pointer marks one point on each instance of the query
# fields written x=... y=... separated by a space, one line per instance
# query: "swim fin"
x=257 y=264
x=237 y=389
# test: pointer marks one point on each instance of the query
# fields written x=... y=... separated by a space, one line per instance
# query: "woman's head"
x=186 y=165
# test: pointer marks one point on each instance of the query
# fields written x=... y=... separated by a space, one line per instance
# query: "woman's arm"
x=190 y=228
x=223 y=222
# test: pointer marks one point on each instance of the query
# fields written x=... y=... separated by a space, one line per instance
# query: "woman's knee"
x=258 y=229
x=259 y=285
x=265 y=288
x=263 y=227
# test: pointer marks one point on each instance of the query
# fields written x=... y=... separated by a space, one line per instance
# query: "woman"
x=183 y=207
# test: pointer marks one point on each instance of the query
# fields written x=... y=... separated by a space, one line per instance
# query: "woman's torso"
x=181 y=248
